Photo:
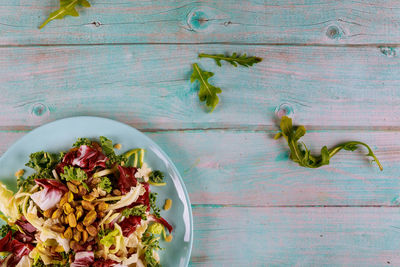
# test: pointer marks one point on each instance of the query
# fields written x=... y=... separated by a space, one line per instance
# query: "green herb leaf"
x=156 y=177
x=5 y=229
x=207 y=91
x=108 y=149
x=151 y=243
x=43 y=161
x=139 y=210
x=67 y=7
x=81 y=142
x=234 y=59
x=105 y=184
x=103 y=232
x=299 y=152
x=153 y=205
x=77 y=174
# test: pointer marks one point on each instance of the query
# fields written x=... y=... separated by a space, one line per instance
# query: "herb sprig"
x=234 y=59
x=67 y=7
x=300 y=154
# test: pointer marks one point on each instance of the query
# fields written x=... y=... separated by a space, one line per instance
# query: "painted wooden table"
x=332 y=65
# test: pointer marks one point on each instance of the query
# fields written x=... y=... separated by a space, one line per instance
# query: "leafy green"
x=76 y=174
x=39 y=263
x=105 y=184
x=207 y=92
x=156 y=228
x=153 y=205
x=156 y=177
x=108 y=149
x=5 y=229
x=109 y=239
x=103 y=232
x=151 y=243
x=82 y=141
x=43 y=162
x=67 y=7
x=234 y=59
x=300 y=154
x=139 y=210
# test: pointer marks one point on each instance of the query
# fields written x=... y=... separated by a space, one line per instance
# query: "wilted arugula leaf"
x=234 y=59
x=207 y=92
x=67 y=7
x=301 y=154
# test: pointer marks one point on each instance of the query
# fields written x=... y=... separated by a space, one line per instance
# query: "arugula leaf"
x=108 y=149
x=105 y=184
x=300 y=154
x=156 y=177
x=67 y=7
x=153 y=205
x=234 y=59
x=207 y=92
x=139 y=210
x=82 y=141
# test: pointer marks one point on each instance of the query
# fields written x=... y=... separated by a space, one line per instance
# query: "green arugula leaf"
x=139 y=210
x=300 y=154
x=234 y=59
x=207 y=92
x=67 y=7
x=105 y=184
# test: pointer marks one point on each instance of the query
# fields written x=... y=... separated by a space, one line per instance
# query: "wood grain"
x=296 y=236
x=235 y=21
x=247 y=168
x=148 y=86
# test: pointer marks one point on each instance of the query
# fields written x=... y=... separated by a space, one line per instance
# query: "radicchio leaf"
x=84 y=157
x=16 y=248
x=128 y=225
x=83 y=259
x=126 y=179
x=50 y=195
x=29 y=231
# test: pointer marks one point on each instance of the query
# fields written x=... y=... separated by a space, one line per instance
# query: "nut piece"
x=96 y=180
x=79 y=212
x=57 y=214
x=91 y=230
x=87 y=205
x=82 y=190
x=101 y=214
x=80 y=228
x=70 y=196
x=117 y=192
x=59 y=249
x=19 y=173
x=84 y=236
x=168 y=204
x=74 y=245
x=89 y=198
x=48 y=213
x=90 y=218
x=72 y=187
x=118 y=146
x=68 y=209
x=168 y=238
x=102 y=206
x=77 y=235
x=64 y=199
x=68 y=233
x=71 y=220
x=57 y=228
x=76 y=182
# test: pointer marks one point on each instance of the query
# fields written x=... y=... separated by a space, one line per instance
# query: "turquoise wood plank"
x=233 y=236
x=148 y=86
x=238 y=21
x=250 y=168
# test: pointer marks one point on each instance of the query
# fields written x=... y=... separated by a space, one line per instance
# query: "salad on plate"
x=88 y=206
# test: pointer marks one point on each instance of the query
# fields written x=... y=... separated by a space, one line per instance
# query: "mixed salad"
x=85 y=207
